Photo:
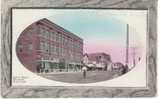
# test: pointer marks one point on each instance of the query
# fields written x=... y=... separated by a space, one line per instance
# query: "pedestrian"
x=84 y=69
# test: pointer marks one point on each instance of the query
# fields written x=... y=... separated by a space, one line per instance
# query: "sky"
x=101 y=30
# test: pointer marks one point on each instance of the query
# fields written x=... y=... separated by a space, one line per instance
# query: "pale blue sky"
x=89 y=25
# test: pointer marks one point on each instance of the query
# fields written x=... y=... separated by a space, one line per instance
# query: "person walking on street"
x=84 y=69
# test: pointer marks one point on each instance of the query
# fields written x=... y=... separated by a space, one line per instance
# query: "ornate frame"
x=9 y=91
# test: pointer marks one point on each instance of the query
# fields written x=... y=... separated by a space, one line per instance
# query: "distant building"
x=97 y=60
x=44 y=47
x=117 y=66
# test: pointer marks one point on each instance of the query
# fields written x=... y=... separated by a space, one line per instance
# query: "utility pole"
x=134 y=54
x=127 y=46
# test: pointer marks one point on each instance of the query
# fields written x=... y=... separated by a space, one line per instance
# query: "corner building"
x=46 y=47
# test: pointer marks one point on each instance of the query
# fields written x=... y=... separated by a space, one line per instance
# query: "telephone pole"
x=134 y=54
x=127 y=46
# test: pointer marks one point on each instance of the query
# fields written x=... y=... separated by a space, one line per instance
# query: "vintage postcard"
x=79 y=47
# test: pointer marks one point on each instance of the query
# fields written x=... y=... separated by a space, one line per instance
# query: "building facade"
x=46 y=47
x=97 y=60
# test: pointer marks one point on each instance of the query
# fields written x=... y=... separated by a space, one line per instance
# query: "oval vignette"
x=55 y=53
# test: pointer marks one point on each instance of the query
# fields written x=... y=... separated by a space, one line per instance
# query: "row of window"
x=44 y=44
x=45 y=47
x=57 y=37
x=25 y=47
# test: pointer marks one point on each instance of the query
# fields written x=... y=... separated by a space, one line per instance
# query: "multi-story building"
x=97 y=60
x=44 y=46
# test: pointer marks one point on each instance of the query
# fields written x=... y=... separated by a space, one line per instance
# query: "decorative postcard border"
x=44 y=91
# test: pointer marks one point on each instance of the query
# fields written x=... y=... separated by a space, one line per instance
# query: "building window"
x=20 y=47
x=60 y=52
x=42 y=45
x=30 y=47
x=46 y=34
x=47 y=47
x=57 y=50
x=51 y=49
x=51 y=35
x=54 y=37
x=42 y=32
x=57 y=37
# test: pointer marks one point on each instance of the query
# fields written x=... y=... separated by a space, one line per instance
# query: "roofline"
x=45 y=20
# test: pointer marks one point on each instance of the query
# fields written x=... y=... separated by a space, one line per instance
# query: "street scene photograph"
x=79 y=46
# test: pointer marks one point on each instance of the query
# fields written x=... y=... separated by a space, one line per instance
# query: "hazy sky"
x=94 y=29
x=101 y=30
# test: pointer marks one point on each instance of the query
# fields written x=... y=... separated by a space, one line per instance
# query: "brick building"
x=46 y=47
